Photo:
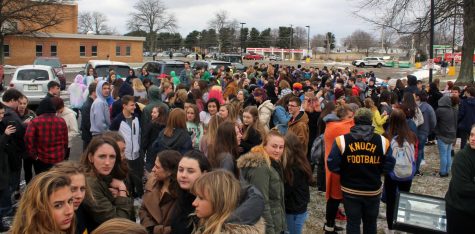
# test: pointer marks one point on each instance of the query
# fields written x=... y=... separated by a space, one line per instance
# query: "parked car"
x=102 y=68
x=209 y=64
x=193 y=56
x=160 y=68
x=58 y=68
x=253 y=56
x=274 y=57
x=178 y=54
x=369 y=61
x=32 y=81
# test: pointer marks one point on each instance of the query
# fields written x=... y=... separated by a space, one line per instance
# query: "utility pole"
x=291 y=35
x=431 y=49
x=328 y=45
x=242 y=25
x=308 y=40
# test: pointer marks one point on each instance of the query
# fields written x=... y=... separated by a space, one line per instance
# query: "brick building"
x=63 y=41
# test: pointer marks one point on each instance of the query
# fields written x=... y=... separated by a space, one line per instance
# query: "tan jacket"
x=232 y=228
x=157 y=209
x=299 y=127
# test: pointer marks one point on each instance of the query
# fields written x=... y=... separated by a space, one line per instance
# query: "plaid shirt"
x=46 y=138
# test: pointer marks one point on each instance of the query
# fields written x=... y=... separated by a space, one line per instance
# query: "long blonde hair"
x=73 y=168
x=137 y=85
x=34 y=214
x=222 y=190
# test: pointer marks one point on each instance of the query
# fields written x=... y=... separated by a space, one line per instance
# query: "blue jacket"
x=280 y=118
x=466 y=116
x=100 y=115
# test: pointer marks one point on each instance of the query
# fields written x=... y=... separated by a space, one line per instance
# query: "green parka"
x=258 y=170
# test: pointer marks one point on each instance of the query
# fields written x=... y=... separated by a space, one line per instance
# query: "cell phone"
x=11 y=122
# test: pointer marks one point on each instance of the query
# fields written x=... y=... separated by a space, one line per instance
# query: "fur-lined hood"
x=255 y=158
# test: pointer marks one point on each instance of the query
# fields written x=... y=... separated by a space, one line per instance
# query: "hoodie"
x=154 y=99
x=466 y=115
x=69 y=117
x=76 y=90
x=446 y=127
x=175 y=79
x=430 y=120
x=180 y=141
x=125 y=89
x=100 y=116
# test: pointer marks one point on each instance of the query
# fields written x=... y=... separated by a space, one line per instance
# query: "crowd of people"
x=217 y=151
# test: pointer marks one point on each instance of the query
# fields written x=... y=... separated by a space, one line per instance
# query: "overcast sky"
x=322 y=15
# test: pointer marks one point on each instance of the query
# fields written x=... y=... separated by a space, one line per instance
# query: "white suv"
x=369 y=61
x=32 y=81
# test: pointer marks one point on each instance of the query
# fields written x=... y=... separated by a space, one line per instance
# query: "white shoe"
x=423 y=162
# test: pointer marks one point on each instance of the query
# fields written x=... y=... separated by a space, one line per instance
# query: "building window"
x=117 y=50
x=39 y=50
x=6 y=50
x=127 y=50
x=94 y=51
x=82 y=50
x=54 y=50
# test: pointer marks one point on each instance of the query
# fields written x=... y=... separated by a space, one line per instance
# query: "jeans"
x=463 y=138
x=6 y=205
x=359 y=208
x=445 y=157
x=135 y=177
x=331 y=210
x=420 y=152
x=295 y=222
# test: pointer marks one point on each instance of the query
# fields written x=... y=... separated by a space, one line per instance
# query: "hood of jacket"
x=79 y=79
x=445 y=102
x=99 y=90
x=126 y=89
x=250 y=208
x=68 y=112
x=177 y=139
x=233 y=228
x=154 y=94
x=330 y=118
x=364 y=132
x=267 y=104
x=255 y=158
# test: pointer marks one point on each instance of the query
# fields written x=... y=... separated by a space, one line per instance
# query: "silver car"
x=32 y=81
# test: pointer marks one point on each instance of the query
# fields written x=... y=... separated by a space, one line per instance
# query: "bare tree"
x=151 y=16
x=411 y=16
x=388 y=39
x=222 y=21
x=318 y=41
x=28 y=17
x=362 y=40
x=93 y=21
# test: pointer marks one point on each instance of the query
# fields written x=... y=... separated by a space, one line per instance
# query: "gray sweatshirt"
x=100 y=115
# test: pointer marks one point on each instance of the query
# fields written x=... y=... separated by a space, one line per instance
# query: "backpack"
x=405 y=167
x=317 y=153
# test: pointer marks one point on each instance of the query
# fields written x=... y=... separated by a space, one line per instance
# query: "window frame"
x=39 y=54
x=55 y=46
x=82 y=53
x=6 y=50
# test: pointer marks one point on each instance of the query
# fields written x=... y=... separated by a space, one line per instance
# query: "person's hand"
x=118 y=184
x=385 y=113
x=114 y=192
x=9 y=130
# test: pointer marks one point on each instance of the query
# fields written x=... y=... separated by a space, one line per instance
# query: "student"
x=217 y=196
x=173 y=137
x=195 y=129
x=99 y=114
x=211 y=109
x=224 y=151
x=161 y=192
x=262 y=168
x=5 y=134
x=153 y=128
x=297 y=178
x=119 y=226
x=400 y=132
x=252 y=129
x=79 y=188
x=46 y=206
x=210 y=133
x=127 y=124
x=191 y=166
x=460 y=197
x=86 y=135
x=378 y=119
x=105 y=176
x=70 y=118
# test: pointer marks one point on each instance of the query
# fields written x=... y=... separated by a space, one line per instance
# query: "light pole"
x=308 y=40
x=242 y=28
x=431 y=51
x=291 y=35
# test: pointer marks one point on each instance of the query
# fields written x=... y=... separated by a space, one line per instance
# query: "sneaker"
x=443 y=176
x=331 y=230
x=340 y=215
x=423 y=162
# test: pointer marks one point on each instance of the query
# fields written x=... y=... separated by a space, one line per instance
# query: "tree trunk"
x=466 y=68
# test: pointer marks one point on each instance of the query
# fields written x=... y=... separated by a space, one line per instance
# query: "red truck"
x=253 y=56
